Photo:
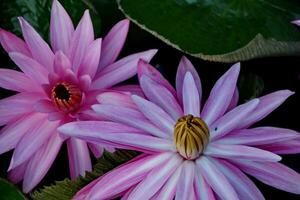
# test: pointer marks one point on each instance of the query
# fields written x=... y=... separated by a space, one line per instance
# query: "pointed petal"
x=17 y=105
x=118 y=134
x=234 y=100
x=232 y=119
x=133 y=89
x=202 y=189
x=155 y=179
x=91 y=58
x=266 y=105
x=244 y=187
x=61 y=63
x=220 y=96
x=156 y=115
x=32 y=141
x=55 y=116
x=113 y=43
x=169 y=189
x=128 y=116
x=81 y=39
x=17 y=81
x=41 y=162
x=185 y=183
x=79 y=157
x=240 y=152
x=11 y=134
x=40 y=50
x=16 y=175
x=125 y=176
x=121 y=70
x=85 y=82
x=186 y=66
x=216 y=179
x=284 y=147
x=30 y=67
x=297 y=22
x=61 y=28
x=117 y=99
x=12 y=43
x=161 y=96
x=145 y=69
x=45 y=106
x=259 y=136
x=273 y=174
x=96 y=149
x=190 y=96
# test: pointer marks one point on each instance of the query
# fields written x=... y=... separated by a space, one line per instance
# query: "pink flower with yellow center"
x=190 y=150
x=56 y=86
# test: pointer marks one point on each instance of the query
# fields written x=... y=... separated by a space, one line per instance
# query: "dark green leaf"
x=9 y=192
x=218 y=30
x=66 y=189
x=37 y=12
x=250 y=86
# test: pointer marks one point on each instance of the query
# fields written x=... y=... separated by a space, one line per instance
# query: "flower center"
x=66 y=96
x=191 y=136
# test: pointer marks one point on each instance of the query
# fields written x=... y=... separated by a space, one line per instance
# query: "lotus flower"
x=187 y=153
x=57 y=86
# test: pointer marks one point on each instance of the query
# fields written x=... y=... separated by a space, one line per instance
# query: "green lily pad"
x=219 y=30
x=9 y=192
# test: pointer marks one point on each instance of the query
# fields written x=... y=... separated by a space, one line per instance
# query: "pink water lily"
x=190 y=150
x=56 y=86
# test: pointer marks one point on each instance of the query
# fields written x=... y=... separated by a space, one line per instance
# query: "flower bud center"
x=67 y=97
x=191 y=136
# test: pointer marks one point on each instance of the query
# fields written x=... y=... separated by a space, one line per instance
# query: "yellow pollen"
x=191 y=136
x=66 y=97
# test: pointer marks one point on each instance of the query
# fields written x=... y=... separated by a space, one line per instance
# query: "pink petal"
x=125 y=176
x=161 y=96
x=267 y=104
x=30 y=67
x=240 y=152
x=156 y=115
x=16 y=175
x=120 y=70
x=145 y=69
x=284 y=147
x=234 y=100
x=12 y=43
x=244 y=187
x=273 y=174
x=202 y=189
x=85 y=82
x=113 y=43
x=32 y=141
x=11 y=134
x=17 y=105
x=297 y=22
x=133 y=89
x=45 y=106
x=17 y=81
x=61 y=28
x=96 y=149
x=259 y=136
x=40 y=50
x=91 y=58
x=79 y=157
x=55 y=116
x=190 y=96
x=185 y=183
x=169 y=189
x=41 y=162
x=186 y=66
x=232 y=119
x=221 y=95
x=127 y=116
x=117 y=99
x=117 y=135
x=81 y=39
x=216 y=179
x=61 y=63
x=155 y=179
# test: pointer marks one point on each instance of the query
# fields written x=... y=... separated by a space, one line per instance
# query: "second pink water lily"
x=190 y=150
x=56 y=86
